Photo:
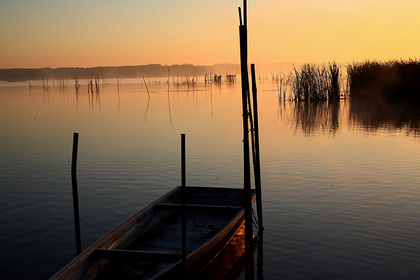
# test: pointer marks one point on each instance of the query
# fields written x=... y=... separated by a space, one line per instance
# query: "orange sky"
x=60 y=33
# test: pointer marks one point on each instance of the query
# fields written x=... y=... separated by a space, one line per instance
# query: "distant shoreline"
x=150 y=70
x=107 y=72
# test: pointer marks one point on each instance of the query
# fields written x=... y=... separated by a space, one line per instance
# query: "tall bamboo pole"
x=247 y=177
x=256 y=152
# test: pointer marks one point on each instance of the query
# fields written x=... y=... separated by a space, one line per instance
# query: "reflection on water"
x=373 y=116
x=339 y=203
x=316 y=116
x=146 y=111
x=230 y=263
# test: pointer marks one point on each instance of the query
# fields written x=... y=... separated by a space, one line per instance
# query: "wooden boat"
x=149 y=244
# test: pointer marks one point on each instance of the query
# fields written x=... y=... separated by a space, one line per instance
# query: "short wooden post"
x=75 y=194
x=184 y=218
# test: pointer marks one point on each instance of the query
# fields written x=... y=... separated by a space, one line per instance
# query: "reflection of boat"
x=230 y=263
x=148 y=245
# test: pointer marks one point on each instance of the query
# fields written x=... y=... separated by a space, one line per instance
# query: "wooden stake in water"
x=147 y=89
x=256 y=151
x=75 y=194
x=257 y=175
x=184 y=218
x=169 y=74
x=249 y=268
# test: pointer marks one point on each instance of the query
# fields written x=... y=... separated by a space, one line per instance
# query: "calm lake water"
x=341 y=182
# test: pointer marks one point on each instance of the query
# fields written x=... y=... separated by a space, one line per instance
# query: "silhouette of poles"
x=249 y=267
x=256 y=151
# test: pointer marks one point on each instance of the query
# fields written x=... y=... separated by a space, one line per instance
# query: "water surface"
x=340 y=182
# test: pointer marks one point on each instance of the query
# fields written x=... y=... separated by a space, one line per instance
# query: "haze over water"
x=340 y=187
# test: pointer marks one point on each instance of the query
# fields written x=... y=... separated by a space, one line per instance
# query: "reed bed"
x=391 y=81
x=313 y=82
x=333 y=81
x=282 y=84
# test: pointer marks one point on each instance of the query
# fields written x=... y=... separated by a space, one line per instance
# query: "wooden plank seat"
x=136 y=255
x=196 y=206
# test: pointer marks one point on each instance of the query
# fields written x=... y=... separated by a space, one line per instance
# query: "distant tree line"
x=151 y=70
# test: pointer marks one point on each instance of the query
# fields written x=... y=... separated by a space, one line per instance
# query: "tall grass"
x=313 y=82
x=333 y=81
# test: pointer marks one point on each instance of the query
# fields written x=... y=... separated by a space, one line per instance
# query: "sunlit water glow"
x=341 y=188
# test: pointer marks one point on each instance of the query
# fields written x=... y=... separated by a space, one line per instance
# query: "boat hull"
x=148 y=245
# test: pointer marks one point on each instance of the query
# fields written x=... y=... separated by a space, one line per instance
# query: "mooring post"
x=184 y=218
x=257 y=167
x=75 y=194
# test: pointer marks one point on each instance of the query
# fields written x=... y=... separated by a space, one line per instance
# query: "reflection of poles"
x=77 y=97
x=184 y=218
x=98 y=99
x=169 y=108
x=119 y=102
x=169 y=102
x=249 y=268
x=211 y=99
x=75 y=195
x=147 y=110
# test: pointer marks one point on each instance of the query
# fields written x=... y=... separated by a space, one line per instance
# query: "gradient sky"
x=59 y=33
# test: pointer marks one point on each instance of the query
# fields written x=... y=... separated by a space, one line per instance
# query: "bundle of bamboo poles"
x=250 y=124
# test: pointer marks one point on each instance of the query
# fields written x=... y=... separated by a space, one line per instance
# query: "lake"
x=341 y=181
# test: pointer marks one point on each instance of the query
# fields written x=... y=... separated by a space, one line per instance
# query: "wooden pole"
x=169 y=74
x=247 y=177
x=147 y=89
x=184 y=218
x=257 y=167
x=246 y=19
x=257 y=176
x=75 y=194
x=183 y=178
